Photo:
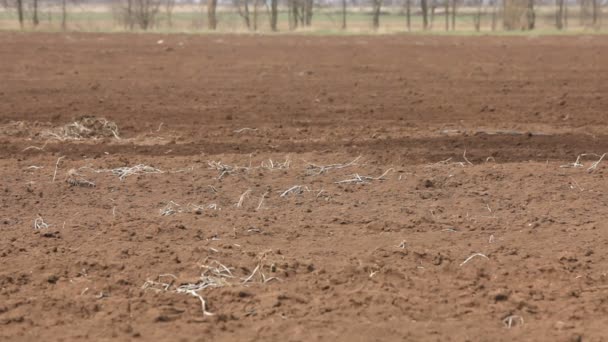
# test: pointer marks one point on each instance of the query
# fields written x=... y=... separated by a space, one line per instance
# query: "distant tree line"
x=509 y=14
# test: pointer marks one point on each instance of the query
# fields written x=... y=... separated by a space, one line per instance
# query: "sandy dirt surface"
x=390 y=188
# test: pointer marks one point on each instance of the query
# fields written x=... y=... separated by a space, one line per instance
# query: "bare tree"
x=242 y=7
x=446 y=10
x=433 y=7
x=274 y=14
x=454 y=15
x=477 y=16
x=145 y=13
x=344 y=14
x=559 y=14
x=20 y=12
x=211 y=14
x=35 y=19
x=169 y=6
x=376 y=8
x=408 y=14
x=518 y=15
x=494 y=4
x=64 y=15
x=425 y=14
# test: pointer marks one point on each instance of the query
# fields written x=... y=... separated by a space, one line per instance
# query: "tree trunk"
x=596 y=11
x=308 y=11
x=477 y=17
x=20 y=12
x=531 y=15
x=408 y=14
x=447 y=14
x=433 y=5
x=211 y=14
x=64 y=15
x=273 y=14
x=559 y=14
x=130 y=20
x=518 y=15
x=454 y=15
x=376 y=16
x=425 y=14
x=35 y=20
x=494 y=14
x=566 y=16
x=255 y=15
x=344 y=14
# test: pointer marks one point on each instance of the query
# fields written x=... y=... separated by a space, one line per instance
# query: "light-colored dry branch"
x=244 y=129
x=124 y=172
x=170 y=209
x=274 y=165
x=40 y=224
x=86 y=127
x=56 y=167
x=75 y=179
x=242 y=198
x=464 y=156
x=296 y=189
x=595 y=164
x=512 y=320
x=364 y=179
x=473 y=256
x=262 y=200
x=36 y=147
x=577 y=163
x=314 y=169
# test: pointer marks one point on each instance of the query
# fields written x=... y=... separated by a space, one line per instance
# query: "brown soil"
x=381 y=258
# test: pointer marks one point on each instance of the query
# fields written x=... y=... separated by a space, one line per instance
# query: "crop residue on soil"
x=311 y=191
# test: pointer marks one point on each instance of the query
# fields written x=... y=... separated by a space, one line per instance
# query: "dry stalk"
x=244 y=129
x=364 y=179
x=473 y=256
x=56 y=166
x=512 y=320
x=577 y=163
x=296 y=189
x=75 y=179
x=40 y=224
x=242 y=198
x=314 y=169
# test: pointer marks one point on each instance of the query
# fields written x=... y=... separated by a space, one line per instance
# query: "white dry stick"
x=577 y=185
x=56 y=166
x=262 y=201
x=295 y=189
x=36 y=147
x=576 y=163
x=245 y=129
x=319 y=169
x=364 y=179
x=472 y=256
x=242 y=198
x=40 y=224
x=464 y=155
x=170 y=209
x=595 y=164
x=511 y=320
x=255 y=270
x=491 y=239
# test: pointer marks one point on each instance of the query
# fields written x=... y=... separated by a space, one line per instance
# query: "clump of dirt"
x=86 y=127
